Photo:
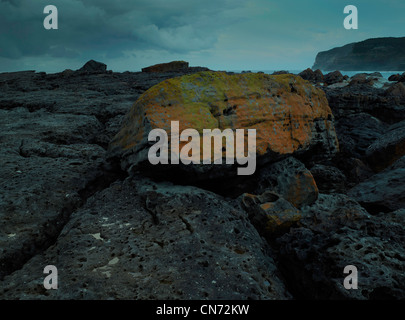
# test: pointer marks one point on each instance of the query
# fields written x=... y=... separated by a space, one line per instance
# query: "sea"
x=385 y=74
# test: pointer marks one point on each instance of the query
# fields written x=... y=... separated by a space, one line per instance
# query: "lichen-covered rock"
x=270 y=214
x=289 y=114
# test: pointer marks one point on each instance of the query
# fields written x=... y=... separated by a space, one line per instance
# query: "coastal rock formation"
x=380 y=101
x=286 y=232
x=55 y=131
x=379 y=54
x=289 y=114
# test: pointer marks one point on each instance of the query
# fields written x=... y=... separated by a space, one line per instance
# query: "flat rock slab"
x=47 y=159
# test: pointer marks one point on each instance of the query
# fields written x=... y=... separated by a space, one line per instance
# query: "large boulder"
x=290 y=116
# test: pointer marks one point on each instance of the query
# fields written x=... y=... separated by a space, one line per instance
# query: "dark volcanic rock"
x=329 y=179
x=388 y=148
x=114 y=236
x=397 y=91
x=356 y=132
x=336 y=232
x=397 y=77
x=93 y=66
x=54 y=131
x=373 y=54
x=374 y=79
x=174 y=66
x=275 y=73
x=365 y=98
x=383 y=192
x=354 y=169
x=313 y=76
x=333 y=77
x=142 y=240
x=290 y=179
x=47 y=160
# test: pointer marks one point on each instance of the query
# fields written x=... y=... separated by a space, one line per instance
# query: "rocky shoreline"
x=286 y=233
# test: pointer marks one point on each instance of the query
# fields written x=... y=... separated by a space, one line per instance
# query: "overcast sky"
x=219 y=34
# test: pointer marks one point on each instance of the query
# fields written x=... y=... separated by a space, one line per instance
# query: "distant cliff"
x=380 y=54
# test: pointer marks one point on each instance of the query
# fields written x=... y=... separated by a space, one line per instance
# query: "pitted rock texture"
x=142 y=240
x=55 y=128
x=336 y=232
x=290 y=179
x=289 y=114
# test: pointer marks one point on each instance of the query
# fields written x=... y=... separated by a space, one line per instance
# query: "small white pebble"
x=114 y=261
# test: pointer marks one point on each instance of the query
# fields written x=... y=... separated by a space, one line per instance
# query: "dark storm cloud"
x=110 y=27
x=219 y=34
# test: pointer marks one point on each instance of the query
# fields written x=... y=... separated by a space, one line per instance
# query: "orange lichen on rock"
x=285 y=110
x=271 y=213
